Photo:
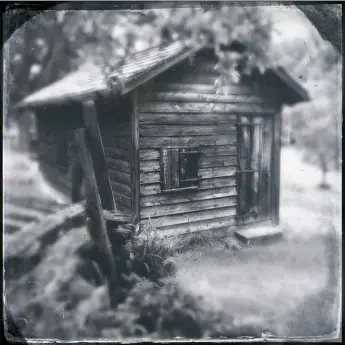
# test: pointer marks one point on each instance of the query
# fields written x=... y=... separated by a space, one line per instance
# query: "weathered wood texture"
x=97 y=226
x=175 y=111
x=183 y=108
x=116 y=131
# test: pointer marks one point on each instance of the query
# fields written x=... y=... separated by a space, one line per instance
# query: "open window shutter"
x=170 y=162
x=189 y=167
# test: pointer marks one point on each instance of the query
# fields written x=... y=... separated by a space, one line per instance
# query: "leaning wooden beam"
x=97 y=224
x=95 y=145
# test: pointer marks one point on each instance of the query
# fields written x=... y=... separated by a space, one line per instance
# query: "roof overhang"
x=89 y=81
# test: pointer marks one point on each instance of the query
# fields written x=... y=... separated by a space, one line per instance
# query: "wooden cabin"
x=181 y=153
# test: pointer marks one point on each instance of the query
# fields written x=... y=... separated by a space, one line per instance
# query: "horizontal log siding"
x=183 y=109
x=116 y=139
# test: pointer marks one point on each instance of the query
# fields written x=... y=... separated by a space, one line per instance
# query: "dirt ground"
x=283 y=287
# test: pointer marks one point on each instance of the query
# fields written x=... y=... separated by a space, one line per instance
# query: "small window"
x=180 y=168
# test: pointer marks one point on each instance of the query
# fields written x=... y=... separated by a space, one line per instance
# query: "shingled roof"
x=89 y=79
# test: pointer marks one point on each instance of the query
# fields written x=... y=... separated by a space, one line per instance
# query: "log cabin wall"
x=181 y=108
x=55 y=127
x=115 y=126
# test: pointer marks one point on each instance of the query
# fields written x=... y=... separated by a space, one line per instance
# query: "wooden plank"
x=123 y=199
x=199 y=97
x=217 y=161
x=183 y=130
x=150 y=189
x=121 y=188
x=35 y=233
x=150 y=177
x=186 y=207
x=21 y=213
x=202 y=107
x=199 y=78
x=191 y=227
x=135 y=160
x=276 y=149
x=204 y=162
x=118 y=164
x=187 y=196
x=97 y=223
x=116 y=216
x=174 y=168
x=206 y=151
x=259 y=234
x=203 y=88
x=121 y=143
x=191 y=217
x=154 y=188
x=149 y=154
x=266 y=172
x=188 y=141
x=219 y=150
x=186 y=119
x=120 y=176
x=95 y=145
x=217 y=172
x=117 y=153
x=215 y=182
x=150 y=165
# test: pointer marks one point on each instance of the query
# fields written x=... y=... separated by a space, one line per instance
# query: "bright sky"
x=289 y=22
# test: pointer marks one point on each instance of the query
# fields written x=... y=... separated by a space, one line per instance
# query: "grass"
x=288 y=288
x=282 y=287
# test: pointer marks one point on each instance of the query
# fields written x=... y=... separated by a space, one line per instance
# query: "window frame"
x=195 y=151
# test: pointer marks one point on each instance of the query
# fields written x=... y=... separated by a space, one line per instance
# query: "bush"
x=150 y=257
x=166 y=312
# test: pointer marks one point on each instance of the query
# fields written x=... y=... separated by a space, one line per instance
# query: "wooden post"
x=97 y=223
x=135 y=161
x=94 y=140
x=276 y=151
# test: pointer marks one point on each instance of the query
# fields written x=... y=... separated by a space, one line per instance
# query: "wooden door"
x=254 y=168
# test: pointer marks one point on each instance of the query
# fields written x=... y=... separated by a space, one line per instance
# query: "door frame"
x=274 y=167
